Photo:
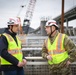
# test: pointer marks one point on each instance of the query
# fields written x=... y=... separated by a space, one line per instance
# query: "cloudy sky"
x=43 y=8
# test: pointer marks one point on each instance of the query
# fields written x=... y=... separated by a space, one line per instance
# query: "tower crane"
x=28 y=15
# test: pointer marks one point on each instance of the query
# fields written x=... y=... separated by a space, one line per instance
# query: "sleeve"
x=44 y=50
x=70 y=48
x=4 y=52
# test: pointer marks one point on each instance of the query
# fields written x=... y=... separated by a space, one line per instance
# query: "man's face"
x=49 y=29
x=15 y=28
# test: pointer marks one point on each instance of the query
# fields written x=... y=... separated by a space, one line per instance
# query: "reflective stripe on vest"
x=13 y=49
x=57 y=50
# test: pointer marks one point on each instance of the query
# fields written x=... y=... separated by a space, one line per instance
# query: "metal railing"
x=37 y=41
x=36 y=66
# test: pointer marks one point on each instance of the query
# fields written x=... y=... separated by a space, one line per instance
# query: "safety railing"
x=31 y=48
x=34 y=41
x=37 y=41
x=36 y=66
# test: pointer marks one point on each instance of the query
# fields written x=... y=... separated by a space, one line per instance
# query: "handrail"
x=34 y=58
x=36 y=61
x=28 y=49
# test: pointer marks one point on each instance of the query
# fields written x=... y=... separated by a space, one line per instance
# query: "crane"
x=20 y=26
x=28 y=15
x=27 y=20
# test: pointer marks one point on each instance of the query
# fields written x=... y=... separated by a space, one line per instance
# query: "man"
x=58 y=49
x=12 y=61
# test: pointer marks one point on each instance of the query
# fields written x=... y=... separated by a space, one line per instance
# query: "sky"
x=43 y=8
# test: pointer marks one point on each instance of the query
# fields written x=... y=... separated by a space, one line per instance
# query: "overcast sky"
x=43 y=8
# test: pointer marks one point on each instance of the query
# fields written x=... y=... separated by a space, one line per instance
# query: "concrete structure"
x=68 y=16
x=42 y=25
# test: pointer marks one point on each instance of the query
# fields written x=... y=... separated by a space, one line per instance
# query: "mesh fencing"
x=36 y=70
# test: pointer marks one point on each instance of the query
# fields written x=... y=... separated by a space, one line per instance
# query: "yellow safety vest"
x=13 y=49
x=57 y=50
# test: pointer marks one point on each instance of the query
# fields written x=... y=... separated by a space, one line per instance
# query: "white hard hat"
x=13 y=21
x=51 y=22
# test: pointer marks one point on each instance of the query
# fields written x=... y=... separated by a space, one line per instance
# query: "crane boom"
x=28 y=16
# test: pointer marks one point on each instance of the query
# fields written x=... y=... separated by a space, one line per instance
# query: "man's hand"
x=24 y=61
x=21 y=64
x=49 y=57
x=68 y=63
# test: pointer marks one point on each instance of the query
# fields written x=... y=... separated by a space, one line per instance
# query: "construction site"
x=33 y=39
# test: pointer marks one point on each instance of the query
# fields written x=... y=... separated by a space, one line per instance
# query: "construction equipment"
x=22 y=6
x=20 y=26
x=21 y=35
x=27 y=20
x=28 y=15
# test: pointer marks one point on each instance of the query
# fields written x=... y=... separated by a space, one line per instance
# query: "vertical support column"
x=67 y=32
x=43 y=32
x=67 y=23
x=74 y=30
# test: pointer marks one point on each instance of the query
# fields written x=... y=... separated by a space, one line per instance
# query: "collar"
x=8 y=32
x=53 y=38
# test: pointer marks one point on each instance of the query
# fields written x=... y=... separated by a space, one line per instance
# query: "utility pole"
x=62 y=18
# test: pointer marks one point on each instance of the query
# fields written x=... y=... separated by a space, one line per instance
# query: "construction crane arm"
x=28 y=15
